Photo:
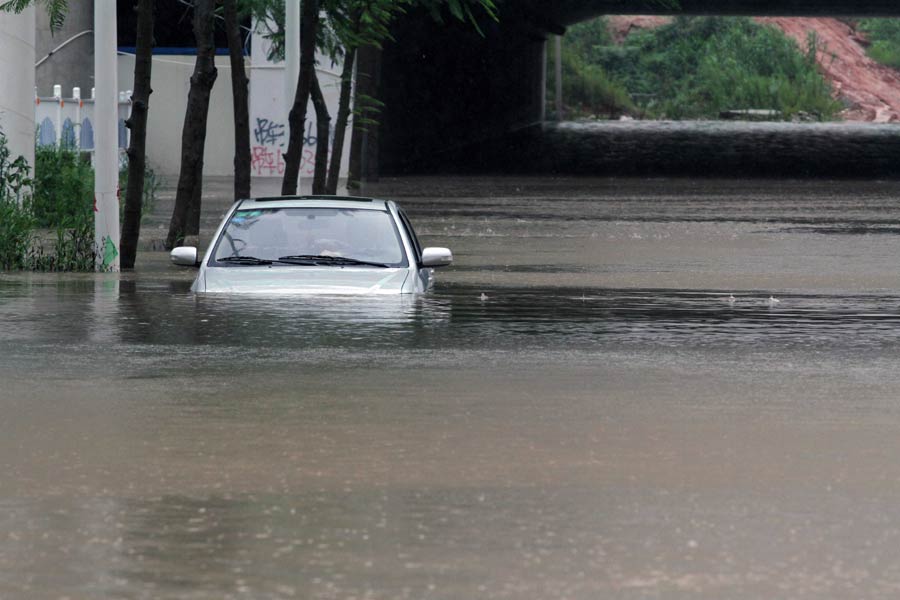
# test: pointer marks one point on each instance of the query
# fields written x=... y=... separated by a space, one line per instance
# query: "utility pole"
x=291 y=52
x=106 y=138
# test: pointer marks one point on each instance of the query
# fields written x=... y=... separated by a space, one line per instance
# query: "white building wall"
x=269 y=122
x=171 y=83
x=17 y=39
x=171 y=77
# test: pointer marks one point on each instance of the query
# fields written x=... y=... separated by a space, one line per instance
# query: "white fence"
x=68 y=122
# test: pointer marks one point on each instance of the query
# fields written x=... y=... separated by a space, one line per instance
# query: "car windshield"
x=295 y=235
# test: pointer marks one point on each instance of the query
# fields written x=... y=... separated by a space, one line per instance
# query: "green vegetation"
x=16 y=221
x=885 y=37
x=63 y=186
x=587 y=87
x=47 y=223
x=695 y=68
x=152 y=183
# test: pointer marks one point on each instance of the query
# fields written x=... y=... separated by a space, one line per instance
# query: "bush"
x=588 y=90
x=16 y=235
x=152 y=183
x=885 y=37
x=63 y=202
x=60 y=198
x=697 y=67
x=63 y=187
x=16 y=221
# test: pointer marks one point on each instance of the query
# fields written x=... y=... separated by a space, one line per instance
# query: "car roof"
x=316 y=201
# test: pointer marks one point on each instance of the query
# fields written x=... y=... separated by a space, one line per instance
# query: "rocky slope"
x=870 y=91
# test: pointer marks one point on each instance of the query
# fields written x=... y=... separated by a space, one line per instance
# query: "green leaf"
x=56 y=9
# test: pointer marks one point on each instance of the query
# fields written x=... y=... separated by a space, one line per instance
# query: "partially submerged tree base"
x=185 y=216
x=137 y=123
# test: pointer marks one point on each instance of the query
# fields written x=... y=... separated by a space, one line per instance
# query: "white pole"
x=291 y=52
x=291 y=56
x=106 y=137
x=57 y=97
x=76 y=94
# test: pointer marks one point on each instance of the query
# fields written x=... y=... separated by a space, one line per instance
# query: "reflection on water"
x=129 y=314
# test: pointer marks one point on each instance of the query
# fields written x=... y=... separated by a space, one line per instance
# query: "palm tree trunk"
x=137 y=123
x=193 y=133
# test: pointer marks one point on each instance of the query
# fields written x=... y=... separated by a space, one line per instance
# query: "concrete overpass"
x=446 y=88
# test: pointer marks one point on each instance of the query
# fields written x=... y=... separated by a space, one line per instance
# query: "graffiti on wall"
x=270 y=142
x=269 y=133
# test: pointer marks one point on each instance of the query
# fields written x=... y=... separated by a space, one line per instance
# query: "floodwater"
x=577 y=411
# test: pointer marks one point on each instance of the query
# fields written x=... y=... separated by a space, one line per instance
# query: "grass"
x=588 y=90
x=47 y=223
x=695 y=68
x=587 y=87
x=884 y=34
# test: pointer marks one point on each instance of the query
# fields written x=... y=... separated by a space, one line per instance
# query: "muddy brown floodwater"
x=604 y=424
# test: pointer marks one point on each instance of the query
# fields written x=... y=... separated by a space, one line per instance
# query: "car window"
x=270 y=233
x=411 y=233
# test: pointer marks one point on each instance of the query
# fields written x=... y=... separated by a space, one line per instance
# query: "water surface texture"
x=579 y=410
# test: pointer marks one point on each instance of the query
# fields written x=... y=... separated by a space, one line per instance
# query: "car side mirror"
x=436 y=257
x=184 y=256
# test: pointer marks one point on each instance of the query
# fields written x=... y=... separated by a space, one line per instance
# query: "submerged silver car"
x=314 y=244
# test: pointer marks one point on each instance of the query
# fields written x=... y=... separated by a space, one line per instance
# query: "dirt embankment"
x=621 y=26
x=870 y=91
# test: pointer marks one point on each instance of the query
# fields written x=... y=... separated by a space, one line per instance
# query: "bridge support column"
x=544 y=84
x=557 y=76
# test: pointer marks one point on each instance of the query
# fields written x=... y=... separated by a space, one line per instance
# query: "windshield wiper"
x=246 y=260
x=317 y=259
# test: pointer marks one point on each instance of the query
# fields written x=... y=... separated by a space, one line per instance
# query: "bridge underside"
x=447 y=88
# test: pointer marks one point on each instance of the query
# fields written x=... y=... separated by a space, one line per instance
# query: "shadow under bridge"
x=455 y=100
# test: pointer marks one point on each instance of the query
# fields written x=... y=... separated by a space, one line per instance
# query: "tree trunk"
x=239 y=93
x=364 y=140
x=193 y=133
x=193 y=220
x=323 y=130
x=137 y=123
x=309 y=23
x=340 y=126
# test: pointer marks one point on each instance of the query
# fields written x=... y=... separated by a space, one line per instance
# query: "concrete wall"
x=268 y=120
x=171 y=83
x=270 y=101
x=73 y=65
x=17 y=75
